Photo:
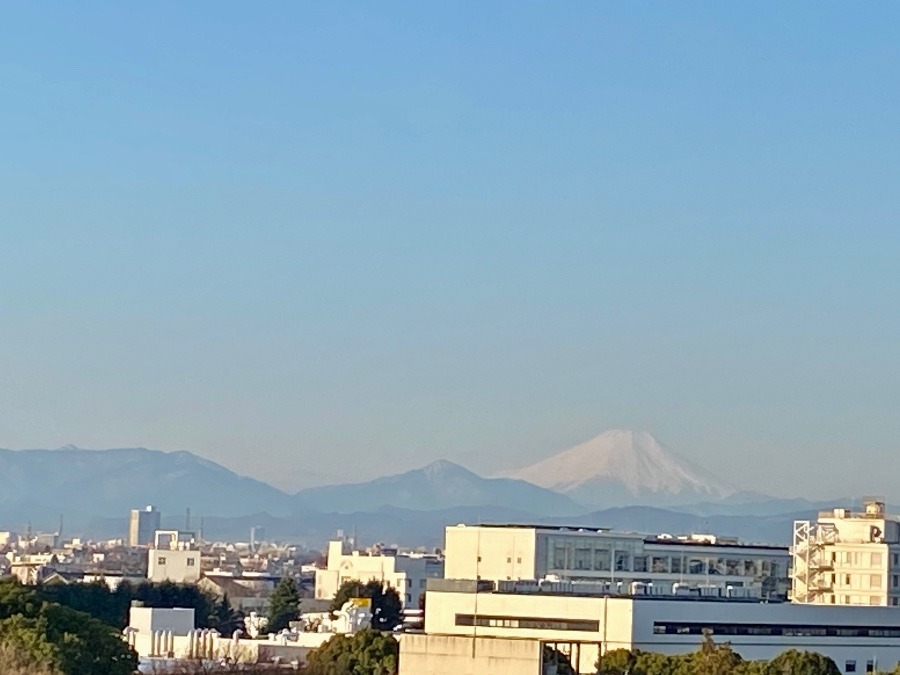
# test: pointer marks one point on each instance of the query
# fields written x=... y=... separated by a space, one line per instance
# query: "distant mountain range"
x=440 y=485
x=620 y=479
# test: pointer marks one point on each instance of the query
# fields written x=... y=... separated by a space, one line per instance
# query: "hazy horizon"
x=347 y=240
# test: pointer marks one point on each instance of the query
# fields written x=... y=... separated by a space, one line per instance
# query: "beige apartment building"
x=407 y=573
x=847 y=558
x=523 y=552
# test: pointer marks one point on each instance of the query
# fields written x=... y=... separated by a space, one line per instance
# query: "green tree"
x=714 y=659
x=24 y=649
x=111 y=607
x=753 y=668
x=793 y=661
x=58 y=638
x=367 y=652
x=284 y=605
x=651 y=663
x=387 y=609
x=223 y=617
x=347 y=591
x=617 y=662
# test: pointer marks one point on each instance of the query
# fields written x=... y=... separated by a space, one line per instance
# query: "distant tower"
x=142 y=525
x=58 y=538
x=257 y=536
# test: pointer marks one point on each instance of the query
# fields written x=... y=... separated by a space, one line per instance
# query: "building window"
x=874 y=581
x=785 y=630
x=161 y=560
x=850 y=667
x=519 y=560
x=870 y=666
x=876 y=560
x=640 y=563
x=582 y=557
x=523 y=622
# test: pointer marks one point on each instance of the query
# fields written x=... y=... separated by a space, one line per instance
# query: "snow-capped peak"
x=622 y=466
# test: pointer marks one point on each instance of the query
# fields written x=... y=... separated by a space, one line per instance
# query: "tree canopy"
x=111 y=606
x=368 y=652
x=37 y=636
x=712 y=659
x=284 y=605
x=387 y=609
x=794 y=661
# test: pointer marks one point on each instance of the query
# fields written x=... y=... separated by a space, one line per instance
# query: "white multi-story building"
x=505 y=628
x=514 y=552
x=173 y=557
x=407 y=573
x=847 y=558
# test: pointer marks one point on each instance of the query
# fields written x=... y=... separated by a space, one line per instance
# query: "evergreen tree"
x=223 y=616
x=347 y=591
x=387 y=609
x=808 y=663
x=617 y=662
x=714 y=659
x=284 y=605
x=366 y=652
x=49 y=637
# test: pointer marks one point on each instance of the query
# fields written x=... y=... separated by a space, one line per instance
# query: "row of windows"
x=858 y=559
x=850 y=667
x=566 y=553
x=860 y=580
x=791 y=630
x=528 y=623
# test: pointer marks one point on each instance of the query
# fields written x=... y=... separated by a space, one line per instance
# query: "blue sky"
x=320 y=242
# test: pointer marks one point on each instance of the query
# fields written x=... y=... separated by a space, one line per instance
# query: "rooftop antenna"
x=187 y=519
x=200 y=533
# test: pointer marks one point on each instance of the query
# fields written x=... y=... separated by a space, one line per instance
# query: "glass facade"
x=599 y=557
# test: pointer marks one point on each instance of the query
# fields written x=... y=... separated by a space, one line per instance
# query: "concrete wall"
x=473 y=552
x=612 y=616
x=456 y=655
x=146 y=620
x=177 y=566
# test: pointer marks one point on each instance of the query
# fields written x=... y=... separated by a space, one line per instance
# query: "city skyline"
x=302 y=239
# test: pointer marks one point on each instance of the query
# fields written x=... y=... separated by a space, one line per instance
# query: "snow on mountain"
x=621 y=467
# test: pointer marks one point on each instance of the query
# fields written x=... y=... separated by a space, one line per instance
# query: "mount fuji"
x=623 y=467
